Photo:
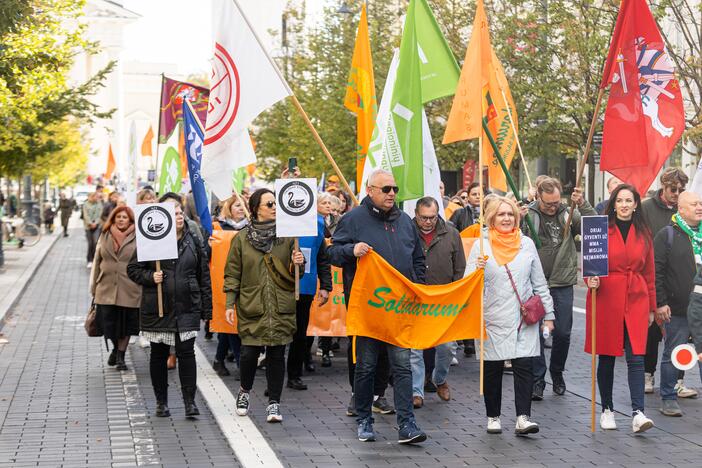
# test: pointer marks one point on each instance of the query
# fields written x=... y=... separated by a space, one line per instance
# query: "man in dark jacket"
x=379 y=225
x=678 y=251
x=657 y=212
x=446 y=263
x=559 y=260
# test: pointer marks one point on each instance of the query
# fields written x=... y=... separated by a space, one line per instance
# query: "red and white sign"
x=684 y=357
x=244 y=83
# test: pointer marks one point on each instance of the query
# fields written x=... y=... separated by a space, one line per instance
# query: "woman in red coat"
x=625 y=300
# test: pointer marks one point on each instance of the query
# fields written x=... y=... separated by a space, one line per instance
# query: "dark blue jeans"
x=677 y=332
x=367 y=351
x=635 y=373
x=227 y=342
x=563 y=305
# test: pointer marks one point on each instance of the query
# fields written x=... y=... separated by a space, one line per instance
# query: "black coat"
x=462 y=218
x=675 y=270
x=187 y=292
x=392 y=236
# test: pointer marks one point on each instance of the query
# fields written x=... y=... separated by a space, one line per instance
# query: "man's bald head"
x=690 y=208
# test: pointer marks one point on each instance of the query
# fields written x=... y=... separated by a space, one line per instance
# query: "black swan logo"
x=153 y=228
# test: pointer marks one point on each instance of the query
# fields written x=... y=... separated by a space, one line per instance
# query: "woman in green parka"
x=259 y=281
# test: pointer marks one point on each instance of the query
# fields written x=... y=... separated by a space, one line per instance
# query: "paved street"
x=60 y=405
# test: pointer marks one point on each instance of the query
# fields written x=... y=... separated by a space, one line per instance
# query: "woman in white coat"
x=505 y=248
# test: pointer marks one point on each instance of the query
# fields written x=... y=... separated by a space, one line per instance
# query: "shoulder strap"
x=514 y=286
x=669 y=232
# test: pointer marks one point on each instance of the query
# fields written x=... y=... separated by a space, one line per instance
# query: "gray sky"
x=180 y=31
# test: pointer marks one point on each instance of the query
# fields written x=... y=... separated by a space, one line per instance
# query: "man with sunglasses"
x=559 y=259
x=658 y=211
x=379 y=225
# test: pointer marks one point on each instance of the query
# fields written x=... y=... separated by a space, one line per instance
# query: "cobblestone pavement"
x=61 y=405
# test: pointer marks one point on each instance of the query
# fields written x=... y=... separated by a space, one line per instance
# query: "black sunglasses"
x=270 y=204
x=387 y=188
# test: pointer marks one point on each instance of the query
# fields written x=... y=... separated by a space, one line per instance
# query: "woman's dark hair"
x=638 y=219
x=255 y=201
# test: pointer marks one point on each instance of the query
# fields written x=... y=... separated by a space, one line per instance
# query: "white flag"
x=696 y=185
x=377 y=152
x=243 y=84
x=218 y=171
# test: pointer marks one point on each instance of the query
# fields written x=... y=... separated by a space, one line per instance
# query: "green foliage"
x=37 y=45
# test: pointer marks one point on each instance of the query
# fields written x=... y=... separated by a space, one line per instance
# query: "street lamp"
x=344 y=9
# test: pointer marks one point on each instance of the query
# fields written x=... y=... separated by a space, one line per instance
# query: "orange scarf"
x=505 y=245
x=118 y=236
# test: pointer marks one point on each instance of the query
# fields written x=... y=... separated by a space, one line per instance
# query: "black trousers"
x=275 y=369
x=187 y=371
x=654 y=338
x=523 y=382
x=92 y=235
x=299 y=350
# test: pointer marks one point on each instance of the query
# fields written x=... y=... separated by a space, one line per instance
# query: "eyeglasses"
x=554 y=204
x=464 y=197
x=387 y=188
x=426 y=219
x=674 y=189
x=270 y=204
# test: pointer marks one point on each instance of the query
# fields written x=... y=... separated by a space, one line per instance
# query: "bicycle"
x=19 y=232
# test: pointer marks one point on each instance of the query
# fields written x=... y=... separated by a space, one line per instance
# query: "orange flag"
x=111 y=163
x=147 y=145
x=360 y=93
x=479 y=98
x=181 y=151
x=387 y=306
x=329 y=319
x=220 y=243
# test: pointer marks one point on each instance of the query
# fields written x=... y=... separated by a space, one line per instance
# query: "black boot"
x=119 y=363
x=162 y=410
x=191 y=409
x=112 y=360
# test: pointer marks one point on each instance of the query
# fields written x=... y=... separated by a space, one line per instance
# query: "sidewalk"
x=61 y=405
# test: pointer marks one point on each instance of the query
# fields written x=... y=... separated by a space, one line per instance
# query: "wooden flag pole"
x=583 y=160
x=481 y=220
x=297 y=271
x=516 y=136
x=321 y=144
x=298 y=106
x=593 y=327
x=159 y=290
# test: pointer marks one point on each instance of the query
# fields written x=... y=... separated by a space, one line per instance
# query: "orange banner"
x=387 y=306
x=220 y=242
x=329 y=319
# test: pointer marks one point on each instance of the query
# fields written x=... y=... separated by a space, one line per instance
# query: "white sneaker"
x=607 y=421
x=494 y=426
x=454 y=361
x=649 y=381
x=525 y=426
x=640 y=423
x=143 y=342
x=89 y=265
x=683 y=391
x=273 y=413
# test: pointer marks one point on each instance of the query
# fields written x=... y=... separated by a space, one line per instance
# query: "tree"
x=37 y=46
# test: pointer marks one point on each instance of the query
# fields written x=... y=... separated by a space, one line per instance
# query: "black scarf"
x=261 y=235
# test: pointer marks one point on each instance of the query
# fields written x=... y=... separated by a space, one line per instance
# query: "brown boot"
x=171 y=363
x=417 y=401
x=443 y=391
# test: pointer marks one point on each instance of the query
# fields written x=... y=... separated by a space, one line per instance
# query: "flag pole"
x=202 y=129
x=510 y=182
x=516 y=136
x=298 y=106
x=158 y=131
x=583 y=160
x=593 y=366
x=481 y=220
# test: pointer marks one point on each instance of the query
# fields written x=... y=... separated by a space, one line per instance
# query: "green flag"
x=403 y=139
x=170 y=180
x=239 y=179
x=438 y=66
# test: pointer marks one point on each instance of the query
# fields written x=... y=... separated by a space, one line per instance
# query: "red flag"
x=645 y=117
x=172 y=94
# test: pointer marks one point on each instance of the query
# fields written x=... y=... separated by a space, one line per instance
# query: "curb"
x=9 y=302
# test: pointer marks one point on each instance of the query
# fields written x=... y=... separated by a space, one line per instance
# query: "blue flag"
x=194 y=137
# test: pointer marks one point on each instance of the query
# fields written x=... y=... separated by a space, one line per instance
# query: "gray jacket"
x=559 y=258
x=445 y=259
x=657 y=213
x=500 y=305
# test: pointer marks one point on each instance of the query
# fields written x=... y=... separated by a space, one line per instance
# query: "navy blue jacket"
x=392 y=236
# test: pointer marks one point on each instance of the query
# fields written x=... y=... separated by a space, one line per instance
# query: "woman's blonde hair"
x=227 y=206
x=493 y=206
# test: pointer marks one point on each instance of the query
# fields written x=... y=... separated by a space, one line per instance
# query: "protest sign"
x=296 y=210
x=595 y=248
